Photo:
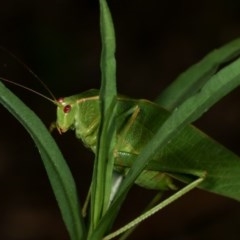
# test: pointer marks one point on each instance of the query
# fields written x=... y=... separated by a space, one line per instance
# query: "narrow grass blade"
x=193 y=79
x=103 y=167
x=58 y=172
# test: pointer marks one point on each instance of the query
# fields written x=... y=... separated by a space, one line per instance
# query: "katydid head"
x=65 y=108
x=72 y=113
x=66 y=111
x=80 y=113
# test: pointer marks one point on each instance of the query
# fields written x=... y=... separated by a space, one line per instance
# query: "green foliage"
x=177 y=148
x=104 y=161
x=58 y=172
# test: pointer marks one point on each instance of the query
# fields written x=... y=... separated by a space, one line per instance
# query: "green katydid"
x=137 y=121
x=134 y=117
x=81 y=113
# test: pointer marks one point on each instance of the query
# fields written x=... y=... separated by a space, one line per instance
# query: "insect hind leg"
x=133 y=113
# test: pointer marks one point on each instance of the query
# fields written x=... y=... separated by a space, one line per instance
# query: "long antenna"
x=29 y=89
x=31 y=72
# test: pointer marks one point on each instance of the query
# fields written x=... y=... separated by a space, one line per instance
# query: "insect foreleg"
x=155 y=209
x=52 y=127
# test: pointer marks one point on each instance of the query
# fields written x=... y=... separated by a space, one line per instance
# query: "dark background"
x=60 y=41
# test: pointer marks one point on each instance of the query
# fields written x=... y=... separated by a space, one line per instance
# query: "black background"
x=60 y=41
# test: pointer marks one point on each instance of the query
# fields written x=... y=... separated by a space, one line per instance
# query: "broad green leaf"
x=58 y=172
x=193 y=79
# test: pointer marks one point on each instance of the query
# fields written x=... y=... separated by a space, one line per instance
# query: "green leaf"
x=193 y=79
x=58 y=172
x=104 y=161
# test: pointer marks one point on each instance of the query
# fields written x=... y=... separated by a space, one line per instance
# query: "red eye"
x=67 y=109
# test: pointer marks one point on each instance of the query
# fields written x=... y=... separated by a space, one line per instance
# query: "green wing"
x=192 y=152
